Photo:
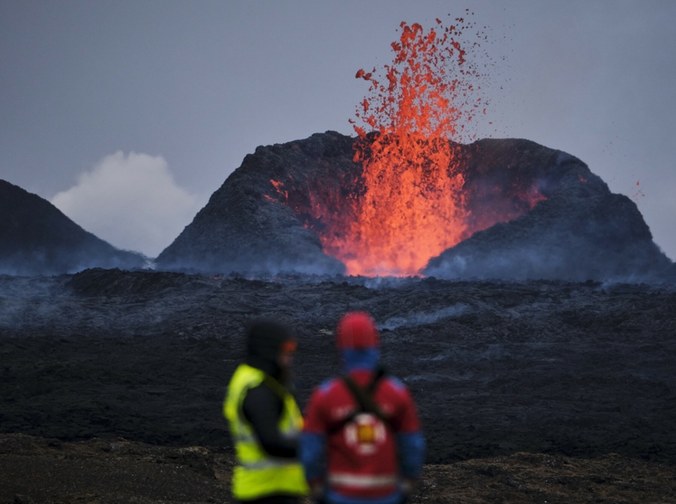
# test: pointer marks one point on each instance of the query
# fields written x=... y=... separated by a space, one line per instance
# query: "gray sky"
x=129 y=114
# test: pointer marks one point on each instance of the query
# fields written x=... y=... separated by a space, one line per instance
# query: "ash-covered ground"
x=565 y=372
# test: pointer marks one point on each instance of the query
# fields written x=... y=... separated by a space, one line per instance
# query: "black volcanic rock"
x=263 y=217
x=581 y=369
x=580 y=232
x=37 y=238
x=244 y=228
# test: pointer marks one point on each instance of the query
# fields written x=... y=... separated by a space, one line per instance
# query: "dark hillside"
x=36 y=238
x=534 y=213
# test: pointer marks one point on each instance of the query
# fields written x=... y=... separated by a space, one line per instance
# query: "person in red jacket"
x=362 y=441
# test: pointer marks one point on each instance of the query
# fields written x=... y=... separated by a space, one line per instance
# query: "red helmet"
x=357 y=330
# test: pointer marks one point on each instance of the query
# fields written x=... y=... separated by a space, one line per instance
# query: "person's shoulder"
x=395 y=383
x=327 y=385
x=260 y=391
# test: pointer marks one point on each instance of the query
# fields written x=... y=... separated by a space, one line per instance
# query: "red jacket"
x=363 y=457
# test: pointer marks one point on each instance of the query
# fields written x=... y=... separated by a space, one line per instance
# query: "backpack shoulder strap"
x=364 y=398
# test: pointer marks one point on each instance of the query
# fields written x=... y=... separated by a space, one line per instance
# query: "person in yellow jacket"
x=265 y=420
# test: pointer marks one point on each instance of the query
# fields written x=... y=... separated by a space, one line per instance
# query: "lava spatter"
x=413 y=204
x=411 y=201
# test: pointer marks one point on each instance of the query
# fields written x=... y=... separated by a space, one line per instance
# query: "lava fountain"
x=413 y=206
x=410 y=202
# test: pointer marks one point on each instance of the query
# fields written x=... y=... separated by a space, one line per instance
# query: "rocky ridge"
x=36 y=238
x=261 y=219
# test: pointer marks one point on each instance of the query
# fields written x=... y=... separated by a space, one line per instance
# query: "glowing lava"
x=412 y=201
x=413 y=205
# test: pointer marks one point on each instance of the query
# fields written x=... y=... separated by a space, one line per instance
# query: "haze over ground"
x=128 y=115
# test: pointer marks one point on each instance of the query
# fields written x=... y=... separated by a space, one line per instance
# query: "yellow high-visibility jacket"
x=256 y=473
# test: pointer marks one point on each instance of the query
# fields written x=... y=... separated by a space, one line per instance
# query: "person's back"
x=265 y=420
x=362 y=437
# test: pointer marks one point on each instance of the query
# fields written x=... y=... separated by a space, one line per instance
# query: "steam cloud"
x=132 y=202
x=421 y=318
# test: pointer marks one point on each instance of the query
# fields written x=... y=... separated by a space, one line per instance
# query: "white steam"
x=422 y=318
x=132 y=202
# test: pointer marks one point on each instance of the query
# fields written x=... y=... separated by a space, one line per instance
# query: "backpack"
x=365 y=402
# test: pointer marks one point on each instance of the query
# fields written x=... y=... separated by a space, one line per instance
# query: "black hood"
x=264 y=339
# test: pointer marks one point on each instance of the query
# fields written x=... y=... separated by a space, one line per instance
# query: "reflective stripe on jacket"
x=363 y=481
x=257 y=474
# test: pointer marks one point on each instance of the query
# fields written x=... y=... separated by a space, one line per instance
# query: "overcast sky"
x=129 y=114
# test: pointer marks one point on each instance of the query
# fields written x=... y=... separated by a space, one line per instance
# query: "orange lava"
x=410 y=211
x=413 y=205
x=411 y=202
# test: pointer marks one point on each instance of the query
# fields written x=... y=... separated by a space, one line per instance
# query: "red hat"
x=357 y=330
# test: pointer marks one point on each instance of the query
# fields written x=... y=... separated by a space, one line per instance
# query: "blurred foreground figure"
x=265 y=420
x=362 y=441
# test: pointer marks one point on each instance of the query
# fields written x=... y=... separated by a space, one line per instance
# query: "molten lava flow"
x=413 y=205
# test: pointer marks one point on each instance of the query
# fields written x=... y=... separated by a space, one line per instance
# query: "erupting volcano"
x=411 y=195
x=412 y=207
x=410 y=203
